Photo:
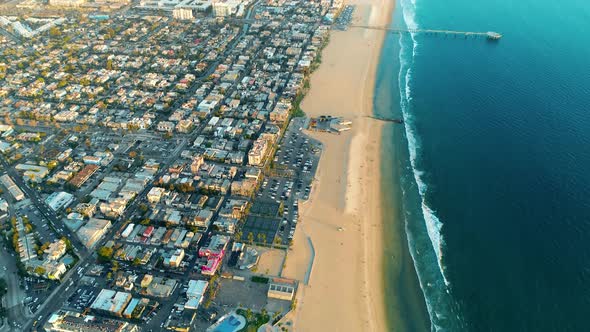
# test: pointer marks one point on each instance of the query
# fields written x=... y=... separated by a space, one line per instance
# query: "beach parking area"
x=343 y=217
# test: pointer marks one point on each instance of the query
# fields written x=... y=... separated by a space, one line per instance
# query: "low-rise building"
x=66 y=321
x=195 y=293
x=281 y=288
x=56 y=250
x=79 y=179
x=166 y=126
x=93 y=231
x=14 y=190
x=111 y=302
x=33 y=173
x=59 y=200
x=160 y=287
x=155 y=194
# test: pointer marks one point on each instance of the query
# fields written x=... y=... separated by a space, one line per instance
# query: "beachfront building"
x=213 y=253
x=258 y=153
x=280 y=113
x=281 y=289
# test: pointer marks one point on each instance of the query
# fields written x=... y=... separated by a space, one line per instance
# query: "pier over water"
x=489 y=35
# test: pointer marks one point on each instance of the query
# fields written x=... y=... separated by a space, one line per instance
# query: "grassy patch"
x=259 y=279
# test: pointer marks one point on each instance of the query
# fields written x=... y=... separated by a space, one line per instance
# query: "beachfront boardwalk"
x=489 y=34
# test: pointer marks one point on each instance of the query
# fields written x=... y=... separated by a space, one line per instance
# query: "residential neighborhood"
x=152 y=156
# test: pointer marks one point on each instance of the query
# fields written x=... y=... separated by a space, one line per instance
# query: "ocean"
x=492 y=160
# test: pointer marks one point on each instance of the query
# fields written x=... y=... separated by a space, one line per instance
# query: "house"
x=175 y=259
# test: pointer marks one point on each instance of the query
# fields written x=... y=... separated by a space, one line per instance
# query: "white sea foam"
x=433 y=223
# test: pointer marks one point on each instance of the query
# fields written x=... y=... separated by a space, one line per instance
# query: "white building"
x=195 y=293
x=224 y=8
x=183 y=13
x=93 y=231
x=155 y=194
x=257 y=154
x=170 y=5
x=165 y=126
x=59 y=200
x=111 y=302
x=66 y=3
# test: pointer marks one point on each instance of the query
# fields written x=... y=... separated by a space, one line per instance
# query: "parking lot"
x=234 y=293
x=42 y=228
x=300 y=154
x=345 y=18
x=81 y=299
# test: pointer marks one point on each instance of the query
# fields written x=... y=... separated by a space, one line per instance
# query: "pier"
x=398 y=121
x=489 y=35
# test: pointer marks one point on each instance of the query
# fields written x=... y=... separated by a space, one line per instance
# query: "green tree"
x=249 y=315
x=143 y=208
x=39 y=270
x=105 y=254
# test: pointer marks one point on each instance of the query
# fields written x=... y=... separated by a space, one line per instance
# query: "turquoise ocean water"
x=493 y=160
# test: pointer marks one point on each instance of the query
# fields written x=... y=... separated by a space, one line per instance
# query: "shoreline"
x=344 y=215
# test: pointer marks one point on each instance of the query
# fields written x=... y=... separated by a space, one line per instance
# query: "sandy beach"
x=343 y=216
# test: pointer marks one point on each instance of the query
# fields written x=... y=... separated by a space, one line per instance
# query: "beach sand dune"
x=343 y=216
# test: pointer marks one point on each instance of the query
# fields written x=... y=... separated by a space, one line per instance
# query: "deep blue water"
x=496 y=165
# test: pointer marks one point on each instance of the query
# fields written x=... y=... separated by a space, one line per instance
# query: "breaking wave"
x=442 y=309
x=433 y=224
